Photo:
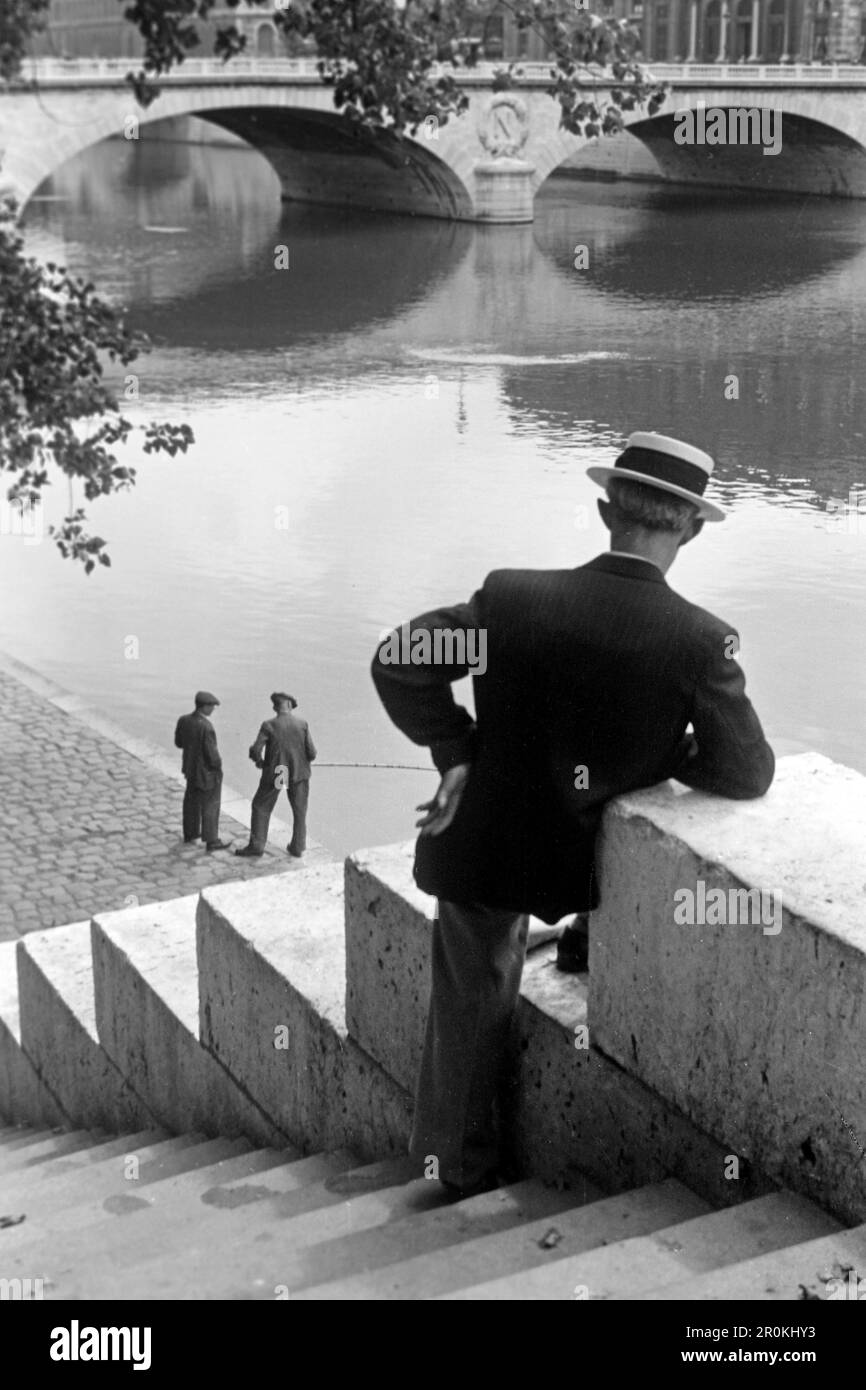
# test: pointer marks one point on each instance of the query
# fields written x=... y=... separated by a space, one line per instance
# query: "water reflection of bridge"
x=680 y=294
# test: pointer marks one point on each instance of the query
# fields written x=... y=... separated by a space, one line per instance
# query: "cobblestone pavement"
x=87 y=827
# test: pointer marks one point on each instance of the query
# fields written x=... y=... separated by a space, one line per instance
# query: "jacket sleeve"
x=178 y=733
x=309 y=746
x=728 y=754
x=257 y=749
x=210 y=752
x=416 y=690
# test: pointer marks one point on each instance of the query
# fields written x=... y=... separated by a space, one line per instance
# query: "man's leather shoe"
x=296 y=854
x=249 y=853
x=457 y=1192
x=218 y=844
x=572 y=950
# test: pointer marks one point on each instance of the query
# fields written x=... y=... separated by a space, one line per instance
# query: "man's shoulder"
x=515 y=581
x=706 y=626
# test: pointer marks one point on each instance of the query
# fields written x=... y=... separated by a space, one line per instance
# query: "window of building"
x=741 y=39
x=712 y=31
x=494 y=36
x=266 y=41
x=776 y=31
x=660 y=31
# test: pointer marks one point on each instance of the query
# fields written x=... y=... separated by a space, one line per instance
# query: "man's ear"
x=693 y=529
x=604 y=510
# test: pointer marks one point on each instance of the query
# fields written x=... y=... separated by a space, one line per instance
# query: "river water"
x=413 y=403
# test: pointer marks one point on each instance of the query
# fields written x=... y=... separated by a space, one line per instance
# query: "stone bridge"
x=484 y=166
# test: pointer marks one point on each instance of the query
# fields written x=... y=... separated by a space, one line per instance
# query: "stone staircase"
x=154 y=1216
x=255 y=1047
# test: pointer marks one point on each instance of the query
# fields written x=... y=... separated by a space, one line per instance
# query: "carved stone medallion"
x=504 y=126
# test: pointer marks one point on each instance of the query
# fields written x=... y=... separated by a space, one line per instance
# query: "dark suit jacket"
x=601 y=667
x=202 y=764
x=284 y=741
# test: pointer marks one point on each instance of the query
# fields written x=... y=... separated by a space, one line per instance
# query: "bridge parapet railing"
x=745 y=74
x=77 y=71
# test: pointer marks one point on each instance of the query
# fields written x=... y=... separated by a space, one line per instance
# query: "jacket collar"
x=628 y=566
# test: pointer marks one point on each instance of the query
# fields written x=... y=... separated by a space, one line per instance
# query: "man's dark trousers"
x=478 y=955
x=201 y=812
x=264 y=802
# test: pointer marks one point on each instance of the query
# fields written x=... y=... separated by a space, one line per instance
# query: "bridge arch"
x=317 y=154
x=813 y=157
x=823 y=143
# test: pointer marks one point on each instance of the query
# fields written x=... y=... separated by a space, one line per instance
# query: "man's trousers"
x=264 y=802
x=201 y=813
x=478 y=955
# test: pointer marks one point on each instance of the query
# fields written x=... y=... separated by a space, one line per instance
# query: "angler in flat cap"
x=284 y=751
x=598 y=680
x=202 y=767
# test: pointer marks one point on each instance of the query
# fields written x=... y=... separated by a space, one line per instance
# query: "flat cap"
x=204 y=697
x=281 y=695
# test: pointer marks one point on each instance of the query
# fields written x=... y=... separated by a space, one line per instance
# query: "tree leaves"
x=19 y=21
x=385 y=63
x=56 y=408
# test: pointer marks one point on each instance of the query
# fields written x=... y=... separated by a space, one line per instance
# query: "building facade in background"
x=97 y=29
x=686 y=31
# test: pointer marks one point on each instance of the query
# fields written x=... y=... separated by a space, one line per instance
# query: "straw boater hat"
x=667 y=464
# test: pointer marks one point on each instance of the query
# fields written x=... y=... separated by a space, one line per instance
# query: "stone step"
x=154 y=1218
x=40 y=1150
x=538 y=1241
x=114 y=1177
x=307 y=1249
x=363 y=1264
x=799 y=1272
x=23 y=1095
x=35 y=1177
x=147 y=1015
x=59 y=1034
x=191 y=1271
x=20 y=1135
x=271 y=954
x=693 y=1243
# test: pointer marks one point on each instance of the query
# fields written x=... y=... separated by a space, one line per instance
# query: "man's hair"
x=637 y=504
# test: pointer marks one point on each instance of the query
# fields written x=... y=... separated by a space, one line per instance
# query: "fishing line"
x=403 y=767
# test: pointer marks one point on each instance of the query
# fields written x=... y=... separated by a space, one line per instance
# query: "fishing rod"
x=402 y=767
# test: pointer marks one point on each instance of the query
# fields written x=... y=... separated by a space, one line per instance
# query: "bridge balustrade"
x=84 y=70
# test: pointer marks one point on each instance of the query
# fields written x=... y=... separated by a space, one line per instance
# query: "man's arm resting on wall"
x=728 y=754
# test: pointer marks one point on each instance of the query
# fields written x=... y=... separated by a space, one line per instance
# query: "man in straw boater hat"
x=598 y=680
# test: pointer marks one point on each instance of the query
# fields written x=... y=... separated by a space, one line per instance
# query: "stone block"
x=24 y=1097
x=752 y=1027
x=388 y=926
x=271 y=956
x=147 y=1017
x=58 y=1032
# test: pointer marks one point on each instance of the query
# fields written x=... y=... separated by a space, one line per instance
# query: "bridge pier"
x=503 y=191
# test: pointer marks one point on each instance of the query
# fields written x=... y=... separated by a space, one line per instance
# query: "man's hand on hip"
x=443 y=807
